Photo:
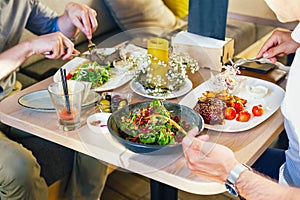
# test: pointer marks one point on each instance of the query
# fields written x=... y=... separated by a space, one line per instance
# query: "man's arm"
x=56 y=43
x=254 y=186
x=76 y=17
x=214 y=162
x=280 y=43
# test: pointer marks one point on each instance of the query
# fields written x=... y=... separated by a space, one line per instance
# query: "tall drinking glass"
x=159 y=49
x=68 y=107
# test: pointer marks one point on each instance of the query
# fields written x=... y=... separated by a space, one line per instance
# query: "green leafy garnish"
x=152 y=125
x=92 y=72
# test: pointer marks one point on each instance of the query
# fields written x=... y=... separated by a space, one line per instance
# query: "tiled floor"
x=128 y=186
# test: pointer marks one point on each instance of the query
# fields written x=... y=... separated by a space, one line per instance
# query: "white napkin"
x=209 y=52
x=197 y=40
x=133 y=50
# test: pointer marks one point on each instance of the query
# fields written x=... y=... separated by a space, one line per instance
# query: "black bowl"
x=187 y=114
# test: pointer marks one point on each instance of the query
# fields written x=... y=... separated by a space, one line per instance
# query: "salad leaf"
x=152 y=125
x=91 y=72
x=147 y=138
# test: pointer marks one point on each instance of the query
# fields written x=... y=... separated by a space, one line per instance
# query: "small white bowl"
x=258 y=91
x=98 y=122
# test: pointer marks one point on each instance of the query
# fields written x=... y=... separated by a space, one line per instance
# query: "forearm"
x=67 y=27
x=12 y=58
x=254 y=186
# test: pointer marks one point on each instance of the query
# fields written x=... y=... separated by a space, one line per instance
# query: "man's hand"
x=55 y=44
x=79 y=16
x=207 y=159
x=279 y=44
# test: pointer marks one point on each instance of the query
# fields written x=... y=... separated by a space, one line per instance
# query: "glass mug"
x=68 y=107
x=159 y=49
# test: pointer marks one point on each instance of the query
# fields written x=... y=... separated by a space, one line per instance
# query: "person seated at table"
x=19 y=170
x=217 y=162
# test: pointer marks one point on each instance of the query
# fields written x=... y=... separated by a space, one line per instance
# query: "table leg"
x=161 y=191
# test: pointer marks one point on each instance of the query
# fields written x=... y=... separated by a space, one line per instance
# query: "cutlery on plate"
x=247 y=60
x=73 y=54
x=91 y=47
x=261 y=60
x=94 y=56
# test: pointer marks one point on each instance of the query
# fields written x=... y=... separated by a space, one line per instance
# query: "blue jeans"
x=270 y=162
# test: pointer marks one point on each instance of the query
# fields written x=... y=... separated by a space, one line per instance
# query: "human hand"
x=55 y=44
x=83 y=17
x=207 y=159
x=280 y=43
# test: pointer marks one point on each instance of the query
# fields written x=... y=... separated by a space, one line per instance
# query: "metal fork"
x=94 y=56
x=73 y=54
x=91 y=46
x=244 y=60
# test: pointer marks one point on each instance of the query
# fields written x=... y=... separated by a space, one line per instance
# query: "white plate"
x=271 y=102
x=117 y=79
x=40 y=101
x=105 y=51
x=133 y=50
x=139 y=89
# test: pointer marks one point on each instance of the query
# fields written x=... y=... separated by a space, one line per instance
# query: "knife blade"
x=73 y=54
x=95 y=56
x=89 y=56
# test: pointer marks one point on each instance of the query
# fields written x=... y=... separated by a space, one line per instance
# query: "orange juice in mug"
x=159 y=49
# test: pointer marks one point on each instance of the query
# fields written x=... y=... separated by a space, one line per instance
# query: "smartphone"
x=258 y=67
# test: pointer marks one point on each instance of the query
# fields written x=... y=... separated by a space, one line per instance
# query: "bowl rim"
x=148 y=146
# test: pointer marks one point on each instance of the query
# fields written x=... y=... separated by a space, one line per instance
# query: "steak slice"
x=211 y=110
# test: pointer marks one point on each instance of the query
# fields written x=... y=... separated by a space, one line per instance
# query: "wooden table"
x=169 y=169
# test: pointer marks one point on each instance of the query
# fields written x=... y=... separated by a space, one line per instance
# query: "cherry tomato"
x=243 y=116
x=69 y=76
x=238 y=106
x=258 y=110
x=229 y=113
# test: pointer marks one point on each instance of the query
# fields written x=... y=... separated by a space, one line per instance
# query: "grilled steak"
x=212 y=110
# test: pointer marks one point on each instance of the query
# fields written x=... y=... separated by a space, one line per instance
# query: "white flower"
x=178 y=65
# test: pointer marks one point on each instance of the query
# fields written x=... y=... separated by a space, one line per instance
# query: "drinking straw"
x=65 y=88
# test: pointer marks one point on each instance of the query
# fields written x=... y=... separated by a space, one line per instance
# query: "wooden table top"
x=170 y=169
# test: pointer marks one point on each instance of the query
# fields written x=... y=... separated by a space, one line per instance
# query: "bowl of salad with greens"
x=153 y=125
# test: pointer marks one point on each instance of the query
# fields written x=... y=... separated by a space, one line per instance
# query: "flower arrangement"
x=178 y=65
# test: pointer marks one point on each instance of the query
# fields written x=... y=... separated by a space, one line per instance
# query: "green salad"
x=153 y=125
x=91 y=72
